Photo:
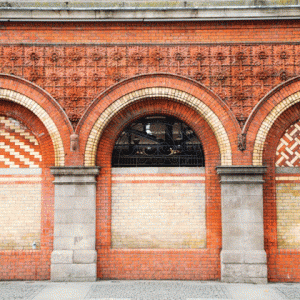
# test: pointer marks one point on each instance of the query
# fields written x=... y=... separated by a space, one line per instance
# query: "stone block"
x=251 y=202
x=85 y=191
x=256 y=280
x=84 y=229
x=64 y=202
x=244 y=273
x=64 y=216
x=242 y=229
x=232 y=202
x=242 y=215
x=61 y=272
x=232 y=257
x=234 y=271
x=243 y=256
x=84 y=216
x=63 y=243
x=84 y=271
x=253 y=242
x=256 y=257
x=83 y=202
x=255 y=270
x=84 y=242
x=64 y=190
x=244 y=280
x=254 y=189
x=85 y=256
x=62 y=257
x=63 y=230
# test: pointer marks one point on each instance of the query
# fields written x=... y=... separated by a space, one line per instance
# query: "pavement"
x=146 y=289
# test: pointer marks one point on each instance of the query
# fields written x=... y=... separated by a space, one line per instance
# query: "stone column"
x=74 y=255
x=243 y=258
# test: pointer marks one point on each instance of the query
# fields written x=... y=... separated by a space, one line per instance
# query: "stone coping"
x=148 y=14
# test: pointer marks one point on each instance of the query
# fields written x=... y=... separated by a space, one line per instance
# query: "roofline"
x=143 y=14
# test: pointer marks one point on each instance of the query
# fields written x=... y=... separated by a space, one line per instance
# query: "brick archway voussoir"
x=153 y=92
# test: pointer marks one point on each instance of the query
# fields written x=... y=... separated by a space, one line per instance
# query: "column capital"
x=75 y=171
x=241 y=170
x=75 y=175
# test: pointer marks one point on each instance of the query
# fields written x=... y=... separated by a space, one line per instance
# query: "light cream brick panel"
x=267 y=124
x=177 y=95
x=288 y=215
x=43 y=116
x=20 y=211
x=158 y=211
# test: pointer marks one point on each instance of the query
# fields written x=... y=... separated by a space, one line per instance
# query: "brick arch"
x=266 y=112
x=39 y=102
x=159 y=106
x=173 y=88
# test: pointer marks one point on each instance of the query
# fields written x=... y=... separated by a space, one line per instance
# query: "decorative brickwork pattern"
x=43 y=116
x=177 y=95
x=288 y=211
x=240 y=74
x=18 y=146
x=158 y=208
x=288 y=150
x=267 y=124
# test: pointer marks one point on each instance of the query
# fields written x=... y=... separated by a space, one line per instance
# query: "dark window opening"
x=158 y=141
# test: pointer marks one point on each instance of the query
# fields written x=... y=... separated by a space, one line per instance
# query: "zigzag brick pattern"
x=18 y=146
x=288 y=150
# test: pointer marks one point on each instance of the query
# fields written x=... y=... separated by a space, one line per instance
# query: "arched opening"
x=158 y=141
x=158 y=216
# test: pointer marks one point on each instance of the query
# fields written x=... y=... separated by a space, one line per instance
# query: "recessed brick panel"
x=20 y=211
x=158 y=208
x=288 y=211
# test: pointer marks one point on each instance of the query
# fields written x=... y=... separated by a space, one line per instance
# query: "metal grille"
x=158 y=141
x=62 y=4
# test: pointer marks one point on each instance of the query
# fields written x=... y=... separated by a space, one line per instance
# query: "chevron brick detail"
x=18 y=146
x=288 y=150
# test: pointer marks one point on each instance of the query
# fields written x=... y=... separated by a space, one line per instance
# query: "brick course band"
x=176 y=95
x=43 y=116
x=267 y=124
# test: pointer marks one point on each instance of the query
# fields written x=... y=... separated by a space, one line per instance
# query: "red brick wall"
x=194 y=264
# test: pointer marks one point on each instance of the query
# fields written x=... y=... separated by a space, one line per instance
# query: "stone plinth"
x=74 y=255
x=243 y=258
